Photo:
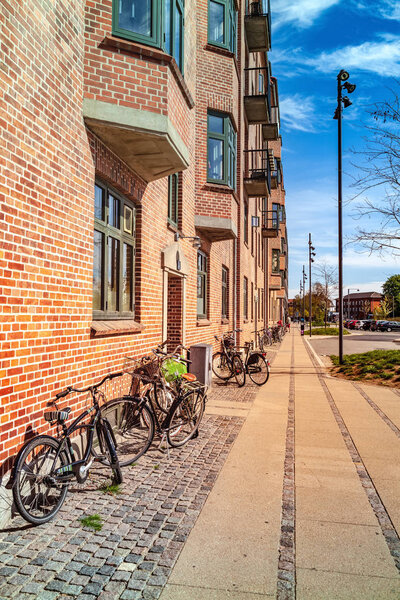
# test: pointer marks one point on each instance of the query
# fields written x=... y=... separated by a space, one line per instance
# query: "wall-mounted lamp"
x=196 y=241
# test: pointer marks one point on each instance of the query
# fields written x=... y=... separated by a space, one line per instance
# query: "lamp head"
x=343 y=75
x=350 y=87
x=196 y=242
x=346 y=101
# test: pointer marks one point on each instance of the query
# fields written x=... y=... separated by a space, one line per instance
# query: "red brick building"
x=360 y=304
x=132 y=133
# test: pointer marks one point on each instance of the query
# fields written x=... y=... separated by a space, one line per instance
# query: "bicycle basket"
x=172 y=368
x=145 y=368
x=229 y=342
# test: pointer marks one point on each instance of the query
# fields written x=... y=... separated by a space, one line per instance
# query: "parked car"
x=375 y=324
x=389 y=326
x=367 y=325
x=358 y=324
x=352 y=324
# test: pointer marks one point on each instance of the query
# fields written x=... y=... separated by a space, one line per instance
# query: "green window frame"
x=245 y=298
x=224 y=32
x=225 y=293
x=158 y=23
x=173 y=199
x=275 y=261
x=221 y=149
x=114 y=255
x=202 y=267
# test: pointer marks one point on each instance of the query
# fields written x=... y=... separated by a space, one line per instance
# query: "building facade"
x=359 y=305
x=141 y=189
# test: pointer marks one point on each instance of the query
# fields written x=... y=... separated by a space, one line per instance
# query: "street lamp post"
x=341 y=101
x=304 y=294
x=348 y=300
x=311 y=255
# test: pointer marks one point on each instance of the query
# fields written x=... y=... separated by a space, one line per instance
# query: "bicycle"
x=174 y=413
x=228 y=363
x=256 y=365
x=264 y=338
x=46 y=465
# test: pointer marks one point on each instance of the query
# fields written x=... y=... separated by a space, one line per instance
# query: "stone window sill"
x=203 y=322
x=224 y=321
x=117 y=327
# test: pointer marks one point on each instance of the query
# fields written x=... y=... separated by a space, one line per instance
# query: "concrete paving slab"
x=234 y=542
x=331 y=547
x=184 y=592
x=343 y=506
x=322 y=585
x=386 y=399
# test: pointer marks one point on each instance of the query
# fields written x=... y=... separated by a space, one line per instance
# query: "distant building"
x=360 y=304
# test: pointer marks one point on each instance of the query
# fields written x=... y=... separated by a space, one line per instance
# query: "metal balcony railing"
x=257 y=174
x=257 y=100
x=270 y=223
x=258 y=25
x=276 y=174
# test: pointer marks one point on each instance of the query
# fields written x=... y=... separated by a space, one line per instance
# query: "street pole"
x=304 y=294
x=340 y=232
x=342 y=82
x=348 y=303
x=311 y=253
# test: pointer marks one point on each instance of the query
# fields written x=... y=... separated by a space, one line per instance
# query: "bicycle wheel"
x=239 y=371
x=258 y=369
x=186 y=415
x=132 y=427
x=108 y=449
x=38 y=497
x=161 y=398
x=220 y=366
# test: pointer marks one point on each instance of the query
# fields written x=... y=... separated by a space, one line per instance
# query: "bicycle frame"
x=67 y=472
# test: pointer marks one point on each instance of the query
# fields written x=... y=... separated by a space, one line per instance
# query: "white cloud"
x=379 y=57
x=297 y=112
x=302 y=13
x=390 y=10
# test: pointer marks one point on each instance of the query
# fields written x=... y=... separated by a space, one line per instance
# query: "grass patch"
x=156 y=467
x=327 y=331
x=93 y=522
x=113 y=489
x=377 y=365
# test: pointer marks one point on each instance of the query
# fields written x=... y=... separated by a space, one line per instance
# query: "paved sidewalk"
x=291 y=491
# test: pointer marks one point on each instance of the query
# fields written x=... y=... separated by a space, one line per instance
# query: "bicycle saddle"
x=57 y=416
x=189 y=376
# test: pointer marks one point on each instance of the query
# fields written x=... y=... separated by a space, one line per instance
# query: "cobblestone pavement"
x=144 y=527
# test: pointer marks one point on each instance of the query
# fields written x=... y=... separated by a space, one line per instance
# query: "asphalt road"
x=357 y=342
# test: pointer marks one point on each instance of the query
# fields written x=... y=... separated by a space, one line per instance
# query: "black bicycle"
x=256 y=364
x=227 y=363
x=45 y=465
x=172 y=412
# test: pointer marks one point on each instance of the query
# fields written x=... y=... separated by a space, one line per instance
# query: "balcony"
x=257 y=178
x=271 y=130
x=270 y=224
x=257 y=100
x=257 y=24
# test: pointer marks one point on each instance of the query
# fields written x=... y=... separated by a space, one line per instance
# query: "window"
x=245 y=298
x=222 y=24
x=173 y=199
x=158 y=23
x=114 y=255
x=246 y=222
x=275 y=261
x=221 y=145
x=201 y=285
x=224 y=303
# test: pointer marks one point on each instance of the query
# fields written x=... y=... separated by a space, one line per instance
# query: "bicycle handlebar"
x=91 y=388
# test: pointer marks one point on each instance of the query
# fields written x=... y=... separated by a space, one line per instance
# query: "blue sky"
x=311 y=41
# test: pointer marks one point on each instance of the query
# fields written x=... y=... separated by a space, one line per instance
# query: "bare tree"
x=380 y=171
x=328 y=276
